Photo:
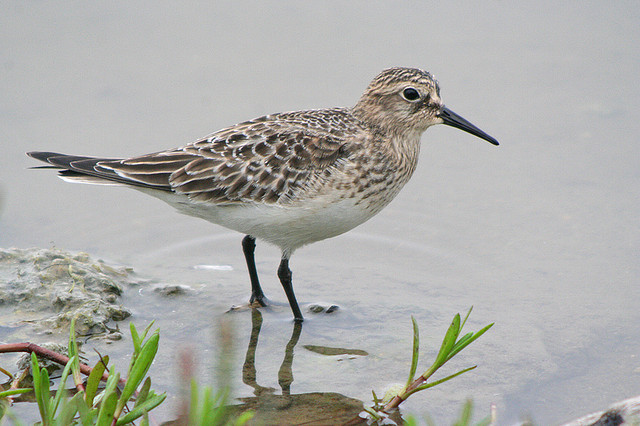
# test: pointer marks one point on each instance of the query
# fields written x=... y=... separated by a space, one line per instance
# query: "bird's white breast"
x=288 y=227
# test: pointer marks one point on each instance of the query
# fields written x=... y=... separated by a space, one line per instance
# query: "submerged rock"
x=46 y=288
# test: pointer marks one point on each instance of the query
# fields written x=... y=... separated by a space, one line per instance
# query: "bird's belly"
x=286 y=226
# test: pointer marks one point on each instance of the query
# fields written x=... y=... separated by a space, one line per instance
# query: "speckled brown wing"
x=269 y=160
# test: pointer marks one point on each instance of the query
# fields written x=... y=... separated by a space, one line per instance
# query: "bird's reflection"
x=285 y=374
x=313 y=408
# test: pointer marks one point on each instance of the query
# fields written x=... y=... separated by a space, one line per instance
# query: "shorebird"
x=290 y=178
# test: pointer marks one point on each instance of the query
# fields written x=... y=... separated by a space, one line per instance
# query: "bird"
x=290 y=178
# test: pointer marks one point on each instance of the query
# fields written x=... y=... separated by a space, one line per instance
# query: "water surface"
x=540 y=234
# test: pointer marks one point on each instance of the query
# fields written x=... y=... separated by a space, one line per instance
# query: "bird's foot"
x=254 y=302
x=258 y=300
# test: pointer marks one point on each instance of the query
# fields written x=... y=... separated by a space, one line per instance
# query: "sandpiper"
x=291 y=178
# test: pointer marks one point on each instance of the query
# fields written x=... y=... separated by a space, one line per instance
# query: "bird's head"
x=403 y=101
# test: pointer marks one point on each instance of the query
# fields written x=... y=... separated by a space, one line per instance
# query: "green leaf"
x=109 y=400
x=94 y=380
x=415 y=352
x=376 y=400
x=45 y=396
x=138 y=370
x=471 y=339
x=448 y=342
x=244 y=418
x=73 y=346
x=207 y=405
x=10 y=392
x=466 y=317
x=62 y=392
x=193 y=403
x=37 y=389
x=144 y=392
x=147 y=329
x=410 y=421
x=107 y=409
x=135 y=338
x=373 y=413
x=69 y=408
x=145 y=420
x=437 y=382
x=139 y=410
x=218 y=409
x=459 y=345
x=84 y=412
x=465 y=416
x=73 y=351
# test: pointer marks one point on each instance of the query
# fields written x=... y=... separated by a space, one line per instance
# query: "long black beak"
x=452 y=119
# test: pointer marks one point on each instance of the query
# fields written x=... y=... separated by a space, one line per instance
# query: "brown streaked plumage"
x=291 y=178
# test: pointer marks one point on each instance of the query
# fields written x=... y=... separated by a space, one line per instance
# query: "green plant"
x=451 y=346
x=206 y=409
x=87 y=407
x=205 y=406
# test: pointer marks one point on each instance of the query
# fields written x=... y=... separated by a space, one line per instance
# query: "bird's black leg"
x=248 y=247
x=284 y=273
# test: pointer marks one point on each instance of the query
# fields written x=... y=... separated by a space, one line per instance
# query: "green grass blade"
x=471 y=339
x=109 y=400
x=415 y=352
x=62 y=392
x=85 y=414
x=193 y=403
x=460 y=344
x=139 y=369
x=135 y=338
x=147 y=329
x=37 y=387
x=94 y=380
x=219 y=409
x=73 y=351
x=139 y=410
x=45 y=386
x=145 y=420
x=448 y=342
x=208 y=404
x=73 y=346
x=244 y=418
x=144 y=392
x=466 y=317
x=10 y=392
x=465 y=416
x=410 y=421
x=107 y=409
x=69 y=408
x=437 y=382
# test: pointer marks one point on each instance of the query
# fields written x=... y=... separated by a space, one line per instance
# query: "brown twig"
x=48 y=354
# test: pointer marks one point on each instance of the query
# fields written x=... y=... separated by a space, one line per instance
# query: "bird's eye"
x=410 y=94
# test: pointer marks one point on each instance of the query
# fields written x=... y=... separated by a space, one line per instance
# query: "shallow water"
x=540 y=234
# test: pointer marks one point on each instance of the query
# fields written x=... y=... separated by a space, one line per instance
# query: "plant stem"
x=48 y=354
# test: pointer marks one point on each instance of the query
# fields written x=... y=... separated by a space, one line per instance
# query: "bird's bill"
x=452 y=119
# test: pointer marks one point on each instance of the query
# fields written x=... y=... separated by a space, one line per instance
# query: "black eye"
x=410 y=94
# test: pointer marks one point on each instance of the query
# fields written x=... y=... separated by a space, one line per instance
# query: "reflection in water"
x=285 y=374
x=308 y=408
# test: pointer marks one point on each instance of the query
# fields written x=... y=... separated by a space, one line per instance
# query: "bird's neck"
x=407 y=151
x=378 y=119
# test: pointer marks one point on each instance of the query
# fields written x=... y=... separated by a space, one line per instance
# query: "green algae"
x=43 y=289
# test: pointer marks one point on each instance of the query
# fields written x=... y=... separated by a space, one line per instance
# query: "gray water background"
x=540 y=234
